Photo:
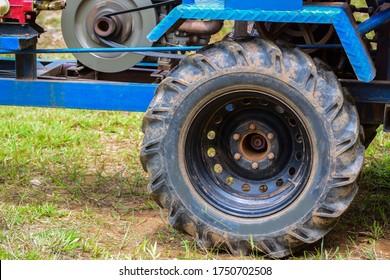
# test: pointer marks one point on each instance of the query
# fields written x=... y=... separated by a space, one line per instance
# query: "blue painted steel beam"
x=374 y=22
x=96 y=95
x=254 y=4
x=374 y=92
x=17 y=42
x=92 y=95
x=266 y=5
x=337 y=15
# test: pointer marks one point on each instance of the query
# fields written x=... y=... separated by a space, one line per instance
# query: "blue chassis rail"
x=123 y=96
x=136 y=97
x=77 y=95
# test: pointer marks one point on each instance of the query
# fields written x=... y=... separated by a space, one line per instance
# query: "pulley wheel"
x=85 y=21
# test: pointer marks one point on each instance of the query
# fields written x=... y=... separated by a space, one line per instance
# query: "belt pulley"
x=85 y=22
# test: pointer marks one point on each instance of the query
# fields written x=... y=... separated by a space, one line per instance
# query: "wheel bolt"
x=271 y=156
x=252 y=126
x=237 y=156
x=270 y=136
x=255 y=165
x=236 y=136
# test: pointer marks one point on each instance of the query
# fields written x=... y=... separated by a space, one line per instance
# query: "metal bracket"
x=17 y=37
x=338 y=15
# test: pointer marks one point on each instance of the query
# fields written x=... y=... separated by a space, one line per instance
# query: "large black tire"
x=284 y=200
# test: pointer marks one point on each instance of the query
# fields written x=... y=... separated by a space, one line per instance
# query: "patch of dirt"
x=383 y=247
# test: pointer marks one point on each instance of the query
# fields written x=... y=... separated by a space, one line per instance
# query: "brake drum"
x=85 y=21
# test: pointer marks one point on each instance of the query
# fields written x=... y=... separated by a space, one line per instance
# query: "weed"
x=369 y=251
x=190 y=247
x=323 y=253
x=152 y=250
x=376 y=231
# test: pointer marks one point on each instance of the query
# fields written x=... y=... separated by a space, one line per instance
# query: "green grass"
x=53 y=161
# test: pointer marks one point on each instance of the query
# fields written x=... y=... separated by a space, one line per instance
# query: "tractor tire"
x=252 y=146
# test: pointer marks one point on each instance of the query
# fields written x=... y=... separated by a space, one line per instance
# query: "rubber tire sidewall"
x=299 y=211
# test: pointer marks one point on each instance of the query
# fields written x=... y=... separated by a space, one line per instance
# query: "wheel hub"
x=253 y=144
x=255 y=154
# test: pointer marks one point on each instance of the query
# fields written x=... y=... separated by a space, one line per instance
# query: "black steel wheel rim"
x=249 y=153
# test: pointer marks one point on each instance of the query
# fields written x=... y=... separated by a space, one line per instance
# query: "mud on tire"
x=298 y=146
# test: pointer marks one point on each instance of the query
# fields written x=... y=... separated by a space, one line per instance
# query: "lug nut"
x=236 y=136
x=270 y=136
x=255 y=165
x=237 y=156
x=252 y=126
x=271 y=156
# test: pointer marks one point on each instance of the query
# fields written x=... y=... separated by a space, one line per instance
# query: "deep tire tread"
x=321 y=88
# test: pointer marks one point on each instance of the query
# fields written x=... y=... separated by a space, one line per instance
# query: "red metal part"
x=20 y=10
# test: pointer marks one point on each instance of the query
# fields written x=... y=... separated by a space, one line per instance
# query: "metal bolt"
x=271 y=156
x=237 y=156
x=236 y=136
x=255 y=165
x=252 y=126
x=270 y=136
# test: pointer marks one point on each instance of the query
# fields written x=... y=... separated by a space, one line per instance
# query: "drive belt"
x=150 y=54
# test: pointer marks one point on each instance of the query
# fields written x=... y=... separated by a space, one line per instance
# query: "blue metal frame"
x=97 y=95
x=92 y=95
x=376 y=92
x=264 y=5
x=256 y=4
x=16 y=42
x=339 y=16
x=374 y=22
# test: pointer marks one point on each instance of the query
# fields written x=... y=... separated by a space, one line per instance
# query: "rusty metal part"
x=236 y=136
x=52 y=5
x=201 y=27
x=4 y=7
x=297 y=33
x=105 y=27
x=254 y=145
x=240 y=29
